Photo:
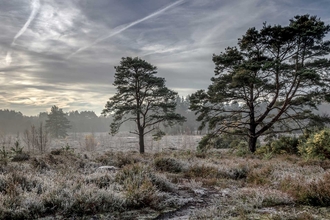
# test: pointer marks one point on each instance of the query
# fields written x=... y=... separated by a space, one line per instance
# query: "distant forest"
x=88 y=121
x=13 y=122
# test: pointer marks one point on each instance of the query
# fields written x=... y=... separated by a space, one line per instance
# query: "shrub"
x=101 y=180
x=223 y=141
x=314 y=193
x=316 y=146
x=241 y=149
x=240 y=172
x=226 y=141
x=4 y=155
x=90 y=142
x=17 y=149
x=162 y=183
x=263 y=197
x=260 y=176
x=283 y=145
x=201 y=171
x=168 y=164
x=123 y=159
x=91 y=201
x=80 y=200
x=139 y=189
x=20 y=157
x=56 y=151
x=67 y=149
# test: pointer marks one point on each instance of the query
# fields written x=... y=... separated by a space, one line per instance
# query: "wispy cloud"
x=35 y=5
x=179 y=38
x=121 y=28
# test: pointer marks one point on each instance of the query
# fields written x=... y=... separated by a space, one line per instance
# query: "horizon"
x=63 y=53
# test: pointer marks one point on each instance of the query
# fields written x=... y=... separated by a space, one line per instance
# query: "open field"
x=113 y=181
x=99 y=142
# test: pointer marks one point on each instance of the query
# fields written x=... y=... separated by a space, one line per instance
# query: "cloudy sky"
x=63 y=52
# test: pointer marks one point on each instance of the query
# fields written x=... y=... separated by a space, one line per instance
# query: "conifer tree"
x=276 y=76
x=57 y=123
x=142 y=98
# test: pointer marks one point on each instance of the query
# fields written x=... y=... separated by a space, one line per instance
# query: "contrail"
x=35 y=8
x=126 y=27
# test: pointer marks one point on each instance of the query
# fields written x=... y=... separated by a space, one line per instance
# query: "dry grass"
x=67 y=184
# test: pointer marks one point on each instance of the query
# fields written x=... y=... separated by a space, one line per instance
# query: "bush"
x=260 y=176
x=101 y=180
x=285 y=145
x=313 y=193
x=201 y=171
x=123 y=159
x=239 y=172
x=316 y=146
x=140 y=189
x=20 y=157
x=80 y=200
x=223 y=141
x=226 y=141
x=241 y=149
x=90 y=142
x=168 y=165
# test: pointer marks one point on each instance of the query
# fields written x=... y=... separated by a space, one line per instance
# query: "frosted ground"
x=170 y=181
x=127 y=142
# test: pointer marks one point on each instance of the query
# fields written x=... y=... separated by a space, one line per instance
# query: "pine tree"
x=277 y=76
x=57 y=123
x=142 y=98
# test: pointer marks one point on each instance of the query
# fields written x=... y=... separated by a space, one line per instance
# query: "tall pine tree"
x=142 y=98
x=277 y=77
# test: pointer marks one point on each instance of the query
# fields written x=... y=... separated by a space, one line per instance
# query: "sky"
x=63 y=52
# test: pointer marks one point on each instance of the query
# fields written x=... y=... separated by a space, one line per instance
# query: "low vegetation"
x=214 y=184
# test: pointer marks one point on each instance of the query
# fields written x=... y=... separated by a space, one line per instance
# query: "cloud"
x=15 y=68
x=35 y=5
x=179 y=39
x=122 y=28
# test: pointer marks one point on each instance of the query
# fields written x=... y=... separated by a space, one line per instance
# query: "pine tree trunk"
x=253 y=144
x=141 y=141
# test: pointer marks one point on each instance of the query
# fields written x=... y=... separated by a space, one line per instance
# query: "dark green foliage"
x=282 y=145
x=57 y=123
x=205 y=143
x=285 y=145
x=224 y=141
x=271 y=83
x=4 y=153
x=17 y=149
x=142 y=98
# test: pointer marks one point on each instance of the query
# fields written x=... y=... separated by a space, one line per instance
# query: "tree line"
x=13 y=122
x=85 y=121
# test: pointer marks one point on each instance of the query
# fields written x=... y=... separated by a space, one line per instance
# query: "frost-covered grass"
x=67 y=184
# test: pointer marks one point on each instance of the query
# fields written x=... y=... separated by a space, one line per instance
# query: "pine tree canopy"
x=142 y=98
x=276 y=76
